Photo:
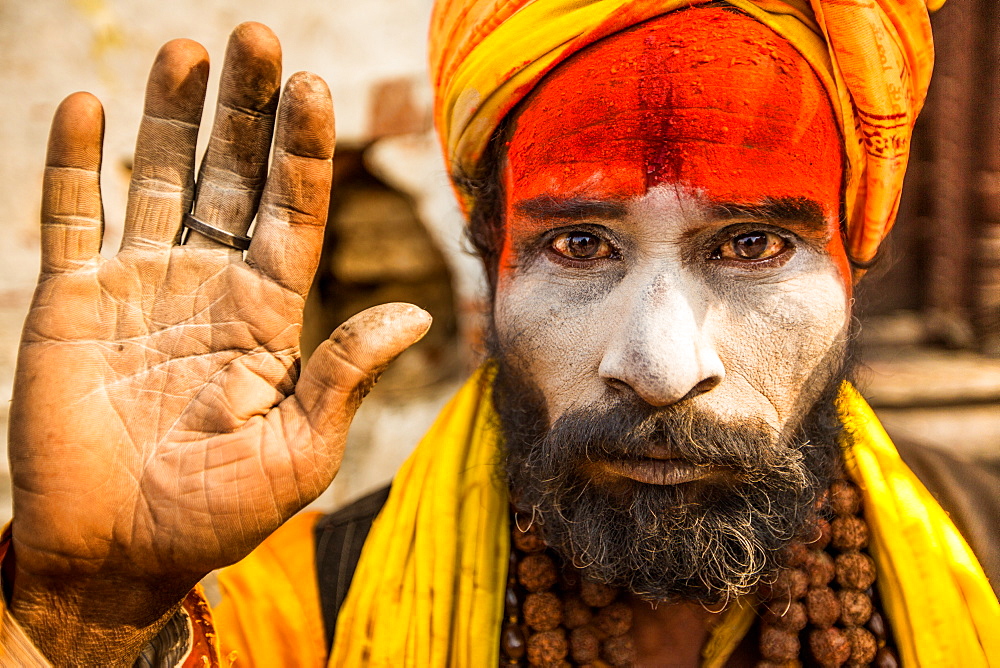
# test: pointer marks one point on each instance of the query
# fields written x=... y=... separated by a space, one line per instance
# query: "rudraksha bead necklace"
x=553 y=618
x=820 y=611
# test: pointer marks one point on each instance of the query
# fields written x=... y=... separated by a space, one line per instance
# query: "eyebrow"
x=800 y=210
x=573 y=208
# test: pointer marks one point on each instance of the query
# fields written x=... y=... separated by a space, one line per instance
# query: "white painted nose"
x=659 y=349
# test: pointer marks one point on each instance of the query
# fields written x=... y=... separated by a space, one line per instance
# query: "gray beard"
x=699 y=541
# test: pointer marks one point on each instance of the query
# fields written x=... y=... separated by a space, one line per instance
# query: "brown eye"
x=581 y=246
x=758 y=245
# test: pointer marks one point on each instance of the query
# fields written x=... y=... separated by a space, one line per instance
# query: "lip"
x=655 y=451
x=657 y=471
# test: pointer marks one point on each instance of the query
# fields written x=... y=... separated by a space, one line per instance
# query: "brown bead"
x=596 y=594
x=543 y=611
x=512 y=641
x=510 y=604
x=794 y=555
x=576 y=613
x=885 y=658
x=584 y=646
x=829 y=647
x=529 y=541
x=849 y=533
x=614 y=619
x=779 y=645
x=536 y=572
x=819 y=568
x=618 y=650
x=791 y=617
x=855 y=607
x=822 y=607
x=547 y=647
x=845 y=498
x=790 y=585
x=876 y=624
x=821 y=536
x=794 y=663
x=863 y=645
x=855 y=570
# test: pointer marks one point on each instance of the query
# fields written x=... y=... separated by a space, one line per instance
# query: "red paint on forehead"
x=706 y=98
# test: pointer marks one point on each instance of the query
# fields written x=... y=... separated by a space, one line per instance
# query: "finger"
x=234 y=168
x=163 y=172
x=289 y=234
x=344 y=368
x=72 y=215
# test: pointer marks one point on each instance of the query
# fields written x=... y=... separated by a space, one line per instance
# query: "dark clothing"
x=339 y=539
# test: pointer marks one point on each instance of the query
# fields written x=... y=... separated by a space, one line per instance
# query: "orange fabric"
x=874 y=57
x=204 y=640
x=16 y=649
x=270 y=612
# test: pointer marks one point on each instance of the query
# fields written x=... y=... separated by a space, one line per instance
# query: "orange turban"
x=873 y=56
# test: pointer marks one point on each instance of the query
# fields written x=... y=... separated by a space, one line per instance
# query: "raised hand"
x=160 y=427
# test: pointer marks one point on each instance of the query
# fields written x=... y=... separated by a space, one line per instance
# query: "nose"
x=660 y=349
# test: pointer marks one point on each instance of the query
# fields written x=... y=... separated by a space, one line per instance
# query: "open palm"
x=160 y=426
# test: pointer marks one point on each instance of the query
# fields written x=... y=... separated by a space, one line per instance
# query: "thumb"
x=344 y=368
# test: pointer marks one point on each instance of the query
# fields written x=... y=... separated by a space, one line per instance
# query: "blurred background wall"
x=930 y=309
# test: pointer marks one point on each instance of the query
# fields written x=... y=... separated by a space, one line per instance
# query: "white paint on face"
x=664 y=317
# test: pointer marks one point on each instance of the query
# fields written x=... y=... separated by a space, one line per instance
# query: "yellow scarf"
x=429 y=588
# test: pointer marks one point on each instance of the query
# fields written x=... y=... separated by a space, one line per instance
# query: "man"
x=672 y=202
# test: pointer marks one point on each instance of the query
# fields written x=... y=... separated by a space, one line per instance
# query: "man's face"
x=672 y=263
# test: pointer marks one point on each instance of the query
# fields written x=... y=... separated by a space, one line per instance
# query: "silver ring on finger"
x=216 y=234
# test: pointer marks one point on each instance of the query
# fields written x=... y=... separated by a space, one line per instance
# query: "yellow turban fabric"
x=874 y=57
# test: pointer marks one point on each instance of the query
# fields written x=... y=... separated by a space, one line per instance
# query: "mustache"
x=751 y=448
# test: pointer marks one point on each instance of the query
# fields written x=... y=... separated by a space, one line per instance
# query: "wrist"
x=80 y=627
x=86 y=622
